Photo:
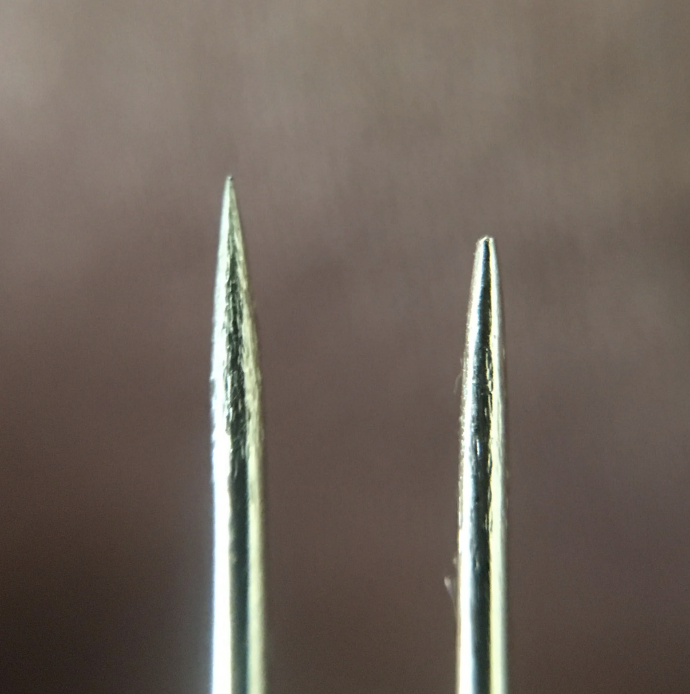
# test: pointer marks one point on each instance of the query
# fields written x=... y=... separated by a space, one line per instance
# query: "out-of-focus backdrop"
x=372 y=143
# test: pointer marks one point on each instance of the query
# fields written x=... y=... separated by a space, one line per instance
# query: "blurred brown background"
x=372 y=142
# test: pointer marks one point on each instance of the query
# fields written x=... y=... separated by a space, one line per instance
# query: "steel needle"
x=482 y=666
x=238 y=660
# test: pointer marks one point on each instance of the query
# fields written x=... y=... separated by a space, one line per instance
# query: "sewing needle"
x=481 y=666
x=238 y=659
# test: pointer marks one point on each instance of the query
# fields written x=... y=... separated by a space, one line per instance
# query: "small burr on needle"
x=239 y=631
x=481 y=600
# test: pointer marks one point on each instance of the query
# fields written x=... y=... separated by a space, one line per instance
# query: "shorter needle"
x=482 y=666
x=238 y=665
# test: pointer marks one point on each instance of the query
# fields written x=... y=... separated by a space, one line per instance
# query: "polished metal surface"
x=238 y=665
x=482 y=666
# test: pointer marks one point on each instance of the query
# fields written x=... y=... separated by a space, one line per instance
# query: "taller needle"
x=238 y=664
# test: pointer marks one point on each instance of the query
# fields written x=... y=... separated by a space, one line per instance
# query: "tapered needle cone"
x=238 y=660
x=482 y=666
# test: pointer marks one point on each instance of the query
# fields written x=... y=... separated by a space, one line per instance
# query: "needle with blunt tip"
x=482 y=666
x=239 y=631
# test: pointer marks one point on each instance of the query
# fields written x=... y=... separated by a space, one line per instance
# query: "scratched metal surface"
x=372 y=143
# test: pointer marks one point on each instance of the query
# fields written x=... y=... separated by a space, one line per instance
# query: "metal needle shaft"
x=482 y=666
x=238 y=665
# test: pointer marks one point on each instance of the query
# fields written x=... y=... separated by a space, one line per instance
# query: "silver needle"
x=482 y=663
x=238 y=665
